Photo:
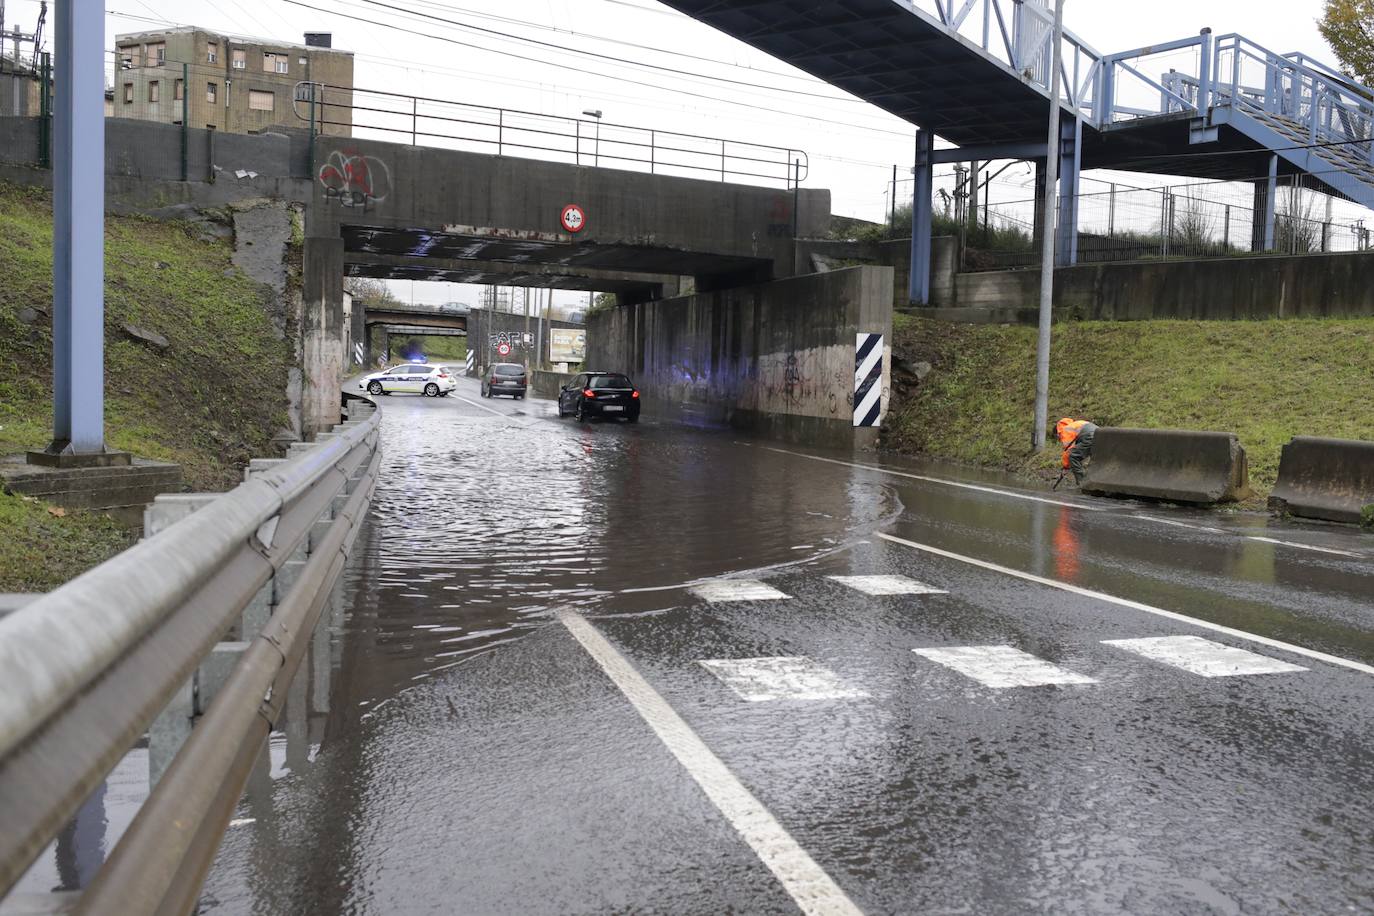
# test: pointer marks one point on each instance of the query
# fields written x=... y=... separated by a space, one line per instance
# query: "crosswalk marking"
x=1202 y=656
x=786 y=677
x=722 y=590
x=1002 y=666
x=888 y=585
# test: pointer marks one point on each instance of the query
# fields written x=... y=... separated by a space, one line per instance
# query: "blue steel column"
x=78 y=317
x=1070 y=160
x=920 y=218
x=1270 y=197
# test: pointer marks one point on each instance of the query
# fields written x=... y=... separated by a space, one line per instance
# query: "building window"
x=126 y=58
x=154 y=93
x=212 y=51
x=178 y=90
x=128 y=93
x=275 y=63
x=261 y=101
x=239 y=59
x=157 y=55
x=211 y=92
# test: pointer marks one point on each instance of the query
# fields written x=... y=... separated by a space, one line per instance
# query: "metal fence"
x=503 y=131
x=209 y=617
x=1199 y=220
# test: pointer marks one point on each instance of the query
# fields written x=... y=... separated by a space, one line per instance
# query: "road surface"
x=642 y=669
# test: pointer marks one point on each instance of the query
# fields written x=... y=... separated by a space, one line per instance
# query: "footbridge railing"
x=503 y=131
x=206 y=620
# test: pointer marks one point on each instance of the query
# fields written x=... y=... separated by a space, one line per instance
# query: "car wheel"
x=632 y=419
x=520 y=397
x=431 y=390
x=580 y=415
x=374 y=387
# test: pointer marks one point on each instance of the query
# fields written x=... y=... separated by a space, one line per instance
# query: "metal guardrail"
x=85 y=670
x=483 y=128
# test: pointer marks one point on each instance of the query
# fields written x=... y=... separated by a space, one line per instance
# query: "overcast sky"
x=403 y=46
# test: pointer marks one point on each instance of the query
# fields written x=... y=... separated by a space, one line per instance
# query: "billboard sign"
x=567 y=345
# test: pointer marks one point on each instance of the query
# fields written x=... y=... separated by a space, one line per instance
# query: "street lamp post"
x=1042 y=346
x=596 y=154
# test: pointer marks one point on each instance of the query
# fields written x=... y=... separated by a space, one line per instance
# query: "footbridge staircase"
x=977 y=74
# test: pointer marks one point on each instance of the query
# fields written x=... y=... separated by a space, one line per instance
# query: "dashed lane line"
x=1055 y=502
x=1002 y=666
x=1202 y=656
x=780 y=677
x=1136 y=605
x=814 y=891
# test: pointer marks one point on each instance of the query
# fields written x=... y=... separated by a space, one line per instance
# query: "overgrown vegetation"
x=210 y=400
x=1263 y=380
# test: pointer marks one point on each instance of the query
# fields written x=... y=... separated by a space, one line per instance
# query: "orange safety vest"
x=1067 y=432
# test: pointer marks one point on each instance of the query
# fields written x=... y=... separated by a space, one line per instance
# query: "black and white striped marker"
x=868 y=379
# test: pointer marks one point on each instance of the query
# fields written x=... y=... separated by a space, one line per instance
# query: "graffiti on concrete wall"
x=354 y=180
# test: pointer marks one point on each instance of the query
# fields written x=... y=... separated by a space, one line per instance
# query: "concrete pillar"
x=921 y=204
x=359 y=332
x=1266 y=193
x=78 y=233
x=322 y=334
x=1070 y=140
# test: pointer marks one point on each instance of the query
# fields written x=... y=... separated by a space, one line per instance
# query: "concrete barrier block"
x=1331 y=479
x=1176 y=465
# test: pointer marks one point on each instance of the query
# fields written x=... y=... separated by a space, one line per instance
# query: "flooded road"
x=540 y=698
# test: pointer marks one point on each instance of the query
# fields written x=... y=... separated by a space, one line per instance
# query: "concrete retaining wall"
x=548 y=384
x=1213 y=289
x=121 y=492
x=1170 y=464
x=772 y=358
x=1330 y=479
x=823 y=254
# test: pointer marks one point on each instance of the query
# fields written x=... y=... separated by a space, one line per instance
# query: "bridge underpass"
x=404 y=212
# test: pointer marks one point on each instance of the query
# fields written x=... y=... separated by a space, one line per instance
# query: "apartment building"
x=231 y=83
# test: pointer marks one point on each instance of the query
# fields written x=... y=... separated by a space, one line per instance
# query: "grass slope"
x=209 y=402
x=1263 y=380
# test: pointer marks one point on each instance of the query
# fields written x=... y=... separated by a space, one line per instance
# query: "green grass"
x=1266 y=381
x=210 y=402
x=40 y=551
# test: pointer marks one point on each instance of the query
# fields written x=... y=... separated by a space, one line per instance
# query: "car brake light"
x=588 y=393
x=443 y=375
x=634 y=394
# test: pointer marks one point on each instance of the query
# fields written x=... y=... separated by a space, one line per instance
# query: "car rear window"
x=507 y=369
x=610 y=381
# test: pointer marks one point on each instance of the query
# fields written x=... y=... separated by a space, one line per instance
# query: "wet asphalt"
x=473 y=756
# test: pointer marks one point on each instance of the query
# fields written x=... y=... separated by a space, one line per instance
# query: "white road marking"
x=1053 y=502
x=242 y=821
x=813 y=890
x=786 y=677
x=722 y=590
x=948 y=483
x=1339 y=553
x=1202 y=656
x=1002 y=666
x=458 y=397
x=888 y=585
x=1138 y=606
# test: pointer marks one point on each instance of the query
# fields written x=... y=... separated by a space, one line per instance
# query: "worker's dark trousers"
x=1078 y=458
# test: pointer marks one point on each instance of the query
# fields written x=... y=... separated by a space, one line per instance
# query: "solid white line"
x=813 y=890
x=948 y=483
x=1339 y=553
x=1053 y=502
x=1136 y=605
x=458 y=397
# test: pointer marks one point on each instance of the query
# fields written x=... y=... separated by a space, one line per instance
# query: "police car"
x=413 y=378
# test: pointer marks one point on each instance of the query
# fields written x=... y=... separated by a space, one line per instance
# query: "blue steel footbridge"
x=976 y=73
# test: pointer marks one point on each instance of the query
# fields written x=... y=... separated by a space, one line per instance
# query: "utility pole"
x=596 y=154
x=1042 y=343
x=78 y=243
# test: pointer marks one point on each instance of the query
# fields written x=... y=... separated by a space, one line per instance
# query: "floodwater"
x=452 y=749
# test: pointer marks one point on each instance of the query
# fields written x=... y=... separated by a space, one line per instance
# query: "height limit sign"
x=572 y=218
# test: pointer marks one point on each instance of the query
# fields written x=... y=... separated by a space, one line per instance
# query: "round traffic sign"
x=573 y=219
x=503 y=349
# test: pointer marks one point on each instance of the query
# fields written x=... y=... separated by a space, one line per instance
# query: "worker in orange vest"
x=1076 y=436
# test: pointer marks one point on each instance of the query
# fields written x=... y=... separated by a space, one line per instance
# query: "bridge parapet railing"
x=580 y=141
x=206 y=620
x=1019 y=34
